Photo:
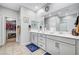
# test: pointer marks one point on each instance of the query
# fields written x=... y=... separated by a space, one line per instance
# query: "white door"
x=25 y=35
x=67 y=49
x=52 y=47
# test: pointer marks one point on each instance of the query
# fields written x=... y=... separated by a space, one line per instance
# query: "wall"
x=53 y=8
x=8 y=12
x=24 y=12
x=5 y=12
x=57 y=6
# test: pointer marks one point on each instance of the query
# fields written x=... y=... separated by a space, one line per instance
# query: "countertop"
x=67 y=35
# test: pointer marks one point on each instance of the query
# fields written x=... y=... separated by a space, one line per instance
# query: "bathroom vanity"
x=56 y=43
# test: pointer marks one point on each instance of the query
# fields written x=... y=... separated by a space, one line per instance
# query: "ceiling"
x=16 y=6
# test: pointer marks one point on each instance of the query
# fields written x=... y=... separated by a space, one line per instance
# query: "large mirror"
x=54 y=23
x=67 y=23
x=62 y=24
x=62 y=20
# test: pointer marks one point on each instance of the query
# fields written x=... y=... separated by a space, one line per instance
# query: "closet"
x=10 y=30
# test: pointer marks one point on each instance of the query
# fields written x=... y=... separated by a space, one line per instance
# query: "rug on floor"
x=32 y=47
x=47 y=53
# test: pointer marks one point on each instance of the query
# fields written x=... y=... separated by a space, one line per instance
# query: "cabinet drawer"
x=41 y=45
x=62 y=39
x=41 y=40
x=41 y=35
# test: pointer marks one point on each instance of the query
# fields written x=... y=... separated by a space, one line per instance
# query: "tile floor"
x=13 y=48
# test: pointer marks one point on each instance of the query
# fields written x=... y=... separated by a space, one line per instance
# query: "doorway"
x=10 y=29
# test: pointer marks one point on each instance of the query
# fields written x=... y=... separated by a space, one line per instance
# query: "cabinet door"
x=52 y=47
x=31 y=36
x=67 y=49
x=42 y=45
x=34 y=38
x=42 y=42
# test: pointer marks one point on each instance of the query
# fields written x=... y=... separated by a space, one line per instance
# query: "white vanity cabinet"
x=31 y=36
x=67 y=49
x=56 y=45
x=42 y=41
x=34 y=38
x=59 y=45
x=52 y=47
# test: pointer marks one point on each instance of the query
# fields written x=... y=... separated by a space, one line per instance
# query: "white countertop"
x=67 y=35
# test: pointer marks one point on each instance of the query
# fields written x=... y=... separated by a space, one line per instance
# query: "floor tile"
x=13 y=48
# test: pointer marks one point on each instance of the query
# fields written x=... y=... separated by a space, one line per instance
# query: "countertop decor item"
x=77 y=26
x=74 y=32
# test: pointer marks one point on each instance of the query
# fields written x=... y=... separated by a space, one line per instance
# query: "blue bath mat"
x=47 y=53
x=32 y=47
